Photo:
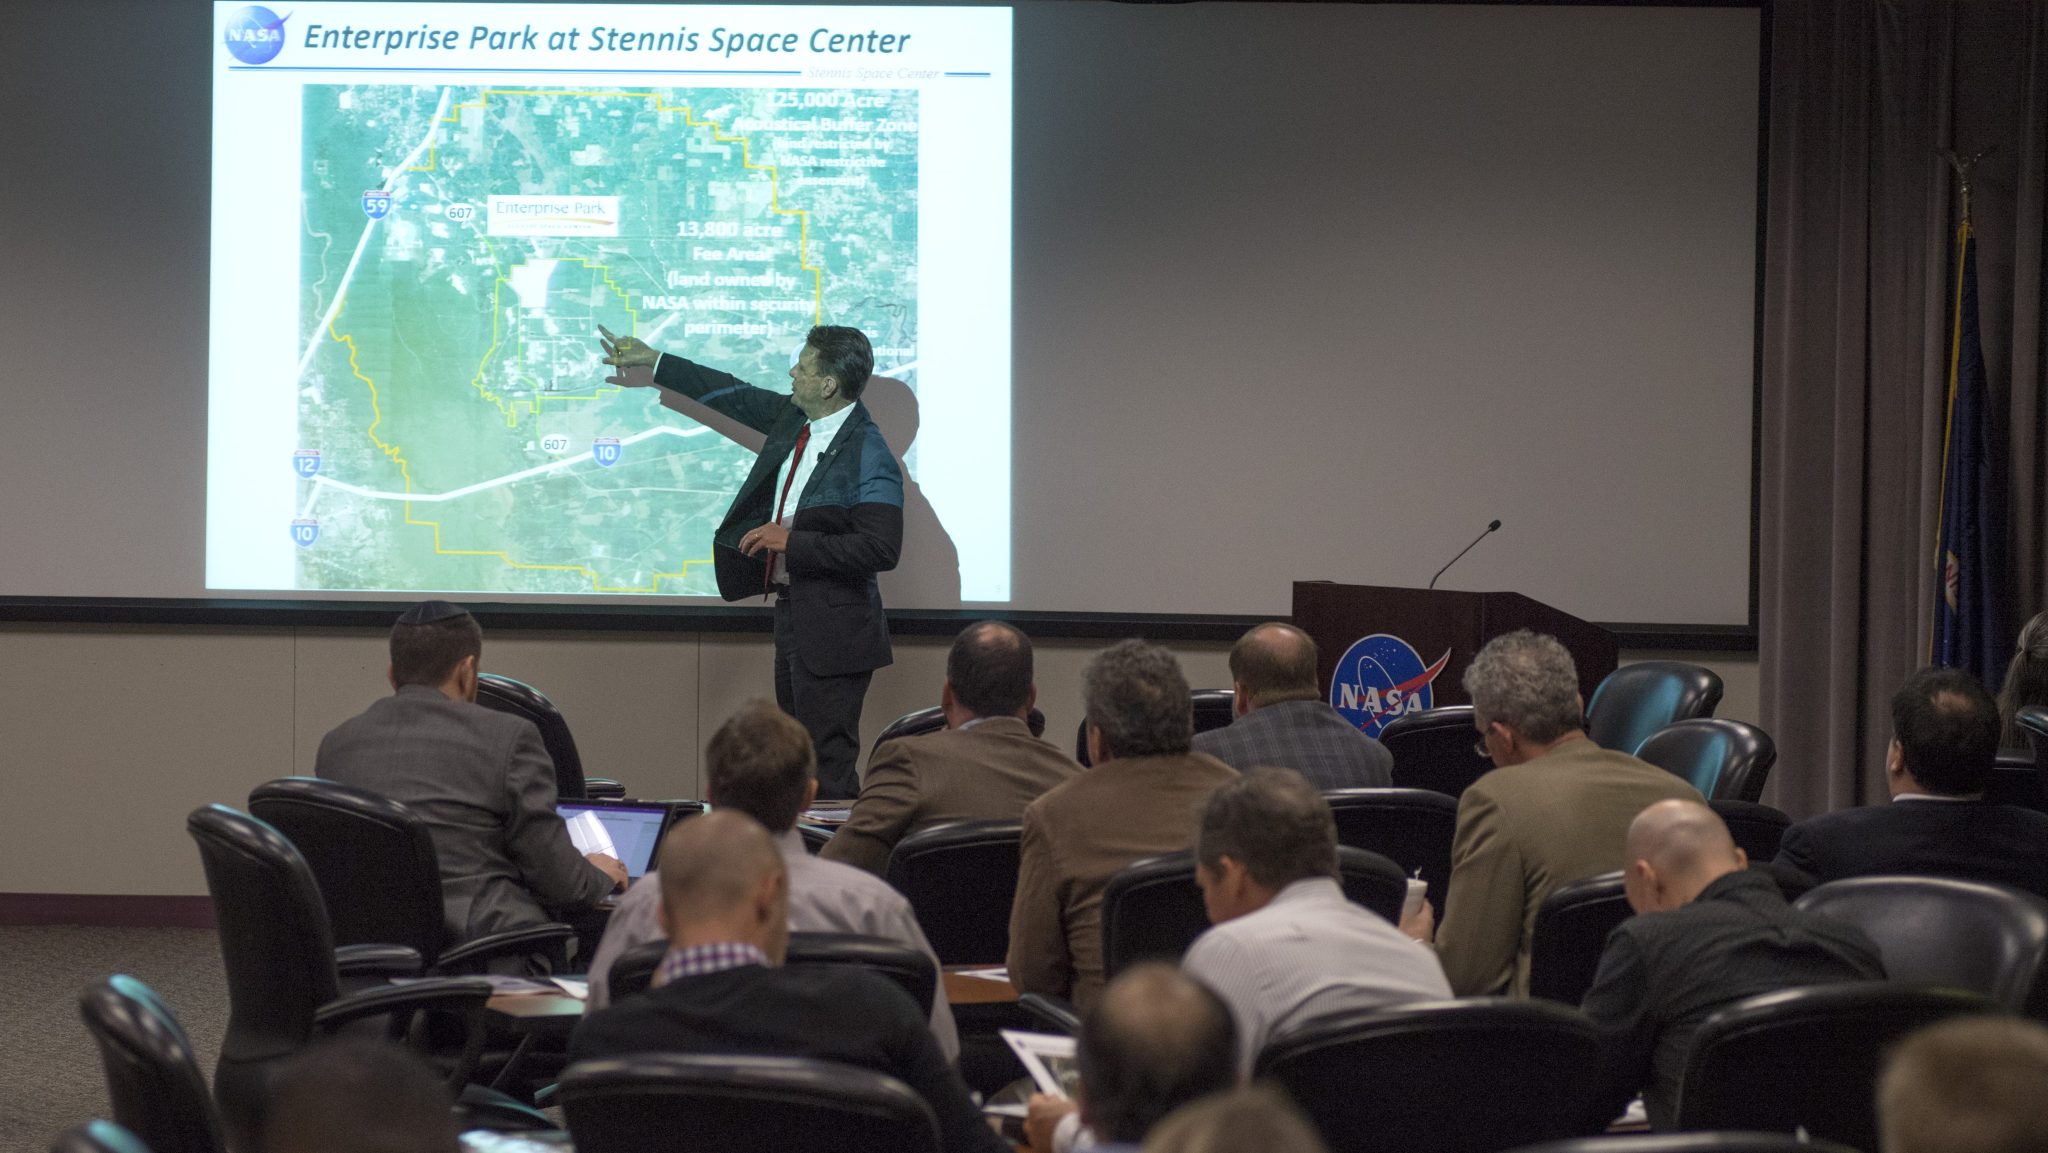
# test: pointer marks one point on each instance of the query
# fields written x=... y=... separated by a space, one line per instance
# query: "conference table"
x=557 y=1013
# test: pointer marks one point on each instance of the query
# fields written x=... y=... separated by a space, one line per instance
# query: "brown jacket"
x=1075 y=838
x=985 y=773
x=1523 y=830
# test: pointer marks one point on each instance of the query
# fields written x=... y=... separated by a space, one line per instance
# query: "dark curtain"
x=1860 y=214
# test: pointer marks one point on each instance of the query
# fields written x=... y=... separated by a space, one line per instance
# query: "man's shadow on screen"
x=927 y=573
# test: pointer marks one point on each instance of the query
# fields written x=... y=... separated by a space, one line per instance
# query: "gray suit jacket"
x=1306 y=736
x=485 y=788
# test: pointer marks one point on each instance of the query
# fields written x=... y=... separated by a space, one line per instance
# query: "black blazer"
x=849 y=1016
x=1972 y=840
x=848 y=523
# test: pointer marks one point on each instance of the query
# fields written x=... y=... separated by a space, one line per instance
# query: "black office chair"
x=958 y=877
x=1757 y=829
x=1213 y=709
x=1468 y=1076
x=1637 y=700
x=523 y=700
x=1958 y=934
x=1721 y=1142
x=1434 y=750
x=2016 y=780
x=737 y=1104
x=1718 y=757
x=909 y=969
x=931 y=720
x=97 y=1137
x=1410 y=827
x=1152 y=909
x=154 y=1084
x=380 y=878
x=815 y=837
x=283 y=986
x=1807 y=1058
x=1571 y=932
x=2033 y=723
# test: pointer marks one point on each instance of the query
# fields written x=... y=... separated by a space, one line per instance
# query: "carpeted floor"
x=50 y=1075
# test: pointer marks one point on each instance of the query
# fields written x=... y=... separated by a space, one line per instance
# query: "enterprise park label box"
x=1389 y=651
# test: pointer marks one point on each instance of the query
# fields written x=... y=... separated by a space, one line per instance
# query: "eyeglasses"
x=1479 y=747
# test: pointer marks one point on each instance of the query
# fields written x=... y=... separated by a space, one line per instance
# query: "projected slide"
x=422 y=213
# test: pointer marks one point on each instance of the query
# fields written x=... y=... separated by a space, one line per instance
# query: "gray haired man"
x=1555 y=810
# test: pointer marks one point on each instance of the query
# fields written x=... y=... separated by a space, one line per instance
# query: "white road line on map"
x=324 y=481
x=390 y=184
x=895 y=373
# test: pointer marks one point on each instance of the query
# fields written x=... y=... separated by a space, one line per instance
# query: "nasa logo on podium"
x=1381 y=677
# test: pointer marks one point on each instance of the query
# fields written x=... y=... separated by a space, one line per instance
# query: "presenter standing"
x=818 y=516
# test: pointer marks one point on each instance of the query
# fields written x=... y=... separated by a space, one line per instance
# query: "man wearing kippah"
x=480 y=779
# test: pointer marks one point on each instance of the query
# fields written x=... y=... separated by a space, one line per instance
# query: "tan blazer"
x=985 y=773
x=1524 y=830
x=1075 y=838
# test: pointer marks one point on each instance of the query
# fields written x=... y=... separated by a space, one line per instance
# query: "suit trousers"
x=828 y=707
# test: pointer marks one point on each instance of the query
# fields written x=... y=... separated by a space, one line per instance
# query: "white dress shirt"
x=1309 y=953
x=824 y=431
x=824 y=897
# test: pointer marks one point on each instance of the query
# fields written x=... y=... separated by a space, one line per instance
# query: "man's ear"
x=811 y=793
x=661 y=917
x=1030 y=699
x=1096 y=746
x=1240 y=700
x=391 y=674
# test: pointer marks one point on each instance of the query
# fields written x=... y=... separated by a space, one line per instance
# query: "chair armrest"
x=378 y=961
x=548 y=938
x=545 y=1096
x=482 y=1108
x=1053 y=1011
x=455 y=994
x=603 y=789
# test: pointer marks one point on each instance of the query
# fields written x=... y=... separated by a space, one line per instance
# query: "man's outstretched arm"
x=757 y=408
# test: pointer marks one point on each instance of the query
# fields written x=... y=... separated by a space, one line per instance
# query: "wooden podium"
x=1441 y=624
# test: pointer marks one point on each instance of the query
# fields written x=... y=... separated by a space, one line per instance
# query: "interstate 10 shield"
x=1381 y=677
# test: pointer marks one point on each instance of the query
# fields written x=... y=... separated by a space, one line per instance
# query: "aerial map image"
x=460 y=247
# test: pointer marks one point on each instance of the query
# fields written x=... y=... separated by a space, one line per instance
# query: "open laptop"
x=627 y=830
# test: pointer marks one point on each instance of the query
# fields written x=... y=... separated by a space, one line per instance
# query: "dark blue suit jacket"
x=847 y=527
x=1973 y=840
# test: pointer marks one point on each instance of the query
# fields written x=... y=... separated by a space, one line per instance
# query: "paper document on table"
x=1049 y=1058
x=987 y=973
x=589 y=835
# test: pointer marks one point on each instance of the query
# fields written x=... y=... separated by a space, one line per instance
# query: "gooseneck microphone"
x=1462 y=552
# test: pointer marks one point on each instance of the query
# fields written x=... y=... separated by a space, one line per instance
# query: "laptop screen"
x=628 y=832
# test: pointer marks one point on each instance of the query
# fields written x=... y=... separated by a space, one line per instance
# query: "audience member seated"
x=1709 y=931
x=1138 y=801
x=1973 y=1085
x=985 y=766
x=479 y=779
x=2026 y=683
x=1944 y=744
x=725 y=888
x=1259 y=1119
x=1556 y=809
x=1155 y=1040
x=358 y=1095
x=1283 y=721
x=1286 y=946
x=760 y=763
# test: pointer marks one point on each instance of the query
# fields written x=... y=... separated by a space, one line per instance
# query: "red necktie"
x=796 y=456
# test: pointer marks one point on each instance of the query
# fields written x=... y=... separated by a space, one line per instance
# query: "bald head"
x=723 y=880
x=1273 y=662
x=1675 y=849
x=1155 y=1040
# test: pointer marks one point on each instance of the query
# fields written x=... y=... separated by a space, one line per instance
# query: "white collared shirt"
x=824 y=430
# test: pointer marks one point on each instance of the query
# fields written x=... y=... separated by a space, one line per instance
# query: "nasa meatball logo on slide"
x=1381 y=677
x=255 y=35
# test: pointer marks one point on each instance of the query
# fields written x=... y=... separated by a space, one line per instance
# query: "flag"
x=1969 y=632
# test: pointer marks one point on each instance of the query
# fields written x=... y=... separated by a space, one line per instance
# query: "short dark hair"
x=759 y=762
x=1136 y=694
x=1153 y=1041
x=2026 y=678
x=1947 y=729
x=1276 y=662
x=1274 y=823
x=989 y=668
x=844 y=355
x=357 y=1095
x=426 y=654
